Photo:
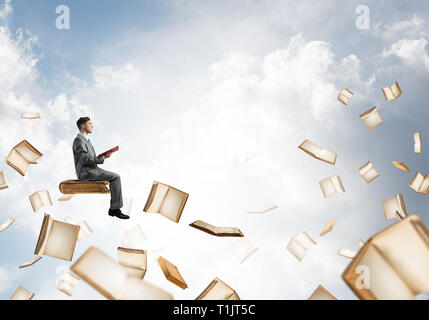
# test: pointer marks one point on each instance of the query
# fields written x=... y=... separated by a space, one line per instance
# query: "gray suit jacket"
x=85 y=159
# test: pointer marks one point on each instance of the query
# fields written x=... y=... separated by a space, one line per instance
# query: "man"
x=86 y=161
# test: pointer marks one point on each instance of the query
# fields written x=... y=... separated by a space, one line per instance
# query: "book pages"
x=6 y=224
x=21 y=156
x=393 y=264
x=66 y=197
x=40 y=199
x=394 y=205
x=392 y=92
x=134 y=260
x=171 y=273
x=264 y=209
x=317 y=152
x=30 y=115
x=216 y=231
x=346 y=253
x=3 y=184
x=111 y=279
x=328 y=227
x=331 y=186
x=299 y=244
x=368 y=172
x=22 y=294
x=30 y=263
x=417 y=142
x=344 y=96
x=320 y=293
x=243 y=249
x=218 y=290
x=67 y=282
x=371 y=118
x=401 y=166
x=84 y=228
x=420 y=184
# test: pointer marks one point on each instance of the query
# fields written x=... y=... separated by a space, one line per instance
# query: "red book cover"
x=109 y=151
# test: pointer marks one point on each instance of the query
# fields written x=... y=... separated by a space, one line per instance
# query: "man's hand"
x=107 y=155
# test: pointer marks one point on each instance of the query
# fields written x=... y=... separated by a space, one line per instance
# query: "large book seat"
x=83 y=187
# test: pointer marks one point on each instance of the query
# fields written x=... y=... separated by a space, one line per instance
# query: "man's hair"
x=81 y=121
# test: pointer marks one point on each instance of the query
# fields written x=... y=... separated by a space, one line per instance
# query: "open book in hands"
x=104 y=154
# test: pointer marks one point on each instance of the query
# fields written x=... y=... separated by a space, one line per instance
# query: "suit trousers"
x=114 y=179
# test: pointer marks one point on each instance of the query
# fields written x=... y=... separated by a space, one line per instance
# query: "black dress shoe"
x=118 y=213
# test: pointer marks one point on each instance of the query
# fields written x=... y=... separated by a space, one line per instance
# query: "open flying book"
x=243 y=249
x=134 y=260
x=109 y=151
x=331 y=186
x=3 y=184
x=346 y=253
x=67 y=282
x=264 y=209
x=6 y=224
x=417 y=142
x=21 y=156
x=299 y=244
x=400 y=165
x=392 y=92
x=57 y=239
x=40 y=199
x=84 y=230
x=22 y=294
x=344 y=96
x=171 y=273
x=394 y=206
x=328 y=227
x=420 y=184
x=368 y=172
x=66 y=197
x=166 y=200
x=30 y=263
x=112 y=280
x=317 y=152
x=218 y=290
x=371 y=118
x=393 y=264
x=30 y=115
x=320 y=293
x=217 y=231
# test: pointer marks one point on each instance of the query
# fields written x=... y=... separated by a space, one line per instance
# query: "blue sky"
x=182 y=87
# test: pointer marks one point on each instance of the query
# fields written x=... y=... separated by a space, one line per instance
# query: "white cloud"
x=411 y=51
x=6 y=11
x=4 y=279
x=411 y=27
x=126 y=78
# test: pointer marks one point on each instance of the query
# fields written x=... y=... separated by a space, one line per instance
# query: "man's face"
x=87 y=127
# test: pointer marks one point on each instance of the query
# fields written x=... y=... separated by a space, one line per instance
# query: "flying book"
x=392 y=92
x=133 y=238
x=134 y=260
x=420 y=184
x=166 y=200
x=371 y=118
x=6 y=224
x=22 y=294
x=320 y=293
x=344 y=96
x=331 y=186
x=3 y=184
x=394 y=205
x=299 y=244
x=393 y=264
x=171 y=273
x=265 y=209
x=29 y=263
x=84 y=230
x=21 y=156
x=417 y=142
x=218 y=290
x=40 y=199
x=30 y=115
x=67 y=282
x=368 y=172
x=317 y=152
x=109 y=151
x=217 y=231
x=400 y=165
x=243 y=249
x=57 y=239
x=112 y=280
x=328 y=227
x=346 y=253
x=66 y=197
